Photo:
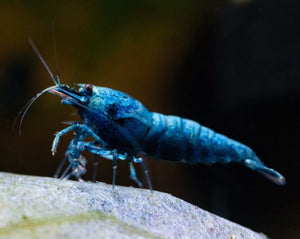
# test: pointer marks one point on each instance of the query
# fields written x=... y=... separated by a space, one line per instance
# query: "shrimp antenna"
x=29 y=103
x=42 y=60
x=55 y=55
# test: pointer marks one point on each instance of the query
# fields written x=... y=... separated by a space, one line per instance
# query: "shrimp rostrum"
x=122 y=128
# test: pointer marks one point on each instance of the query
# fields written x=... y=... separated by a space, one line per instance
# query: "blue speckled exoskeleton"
x=122 y=128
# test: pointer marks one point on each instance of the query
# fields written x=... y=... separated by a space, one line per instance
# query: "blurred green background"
x=232 y=66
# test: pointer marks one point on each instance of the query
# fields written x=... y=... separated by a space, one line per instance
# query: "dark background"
x=232 y=66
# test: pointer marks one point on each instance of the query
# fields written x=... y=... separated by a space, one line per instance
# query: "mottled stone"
x=40 y=207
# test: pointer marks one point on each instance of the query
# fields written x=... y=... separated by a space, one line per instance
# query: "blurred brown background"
x=232 y=66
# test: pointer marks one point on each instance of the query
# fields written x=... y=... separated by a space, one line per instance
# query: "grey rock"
x=40 y=207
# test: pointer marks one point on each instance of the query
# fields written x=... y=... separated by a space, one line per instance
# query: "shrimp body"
x=122 y=128
x=126 y=126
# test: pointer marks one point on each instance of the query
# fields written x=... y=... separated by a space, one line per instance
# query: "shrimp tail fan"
x=269 y=173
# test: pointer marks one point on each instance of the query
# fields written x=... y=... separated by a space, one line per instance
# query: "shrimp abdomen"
x=177 y=139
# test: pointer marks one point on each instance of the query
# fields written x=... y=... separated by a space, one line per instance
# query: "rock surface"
x=40 y=207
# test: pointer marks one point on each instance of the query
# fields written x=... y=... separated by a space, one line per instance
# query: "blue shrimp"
x=123 y=128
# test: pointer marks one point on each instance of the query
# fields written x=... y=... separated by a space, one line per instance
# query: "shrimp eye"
x=88 y=88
